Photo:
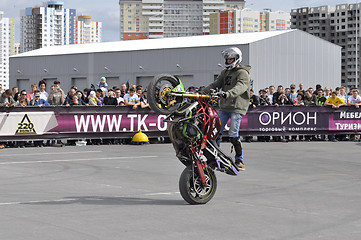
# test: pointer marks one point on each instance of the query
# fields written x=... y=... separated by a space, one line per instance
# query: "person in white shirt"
x=132 y=99
x=118 y=94
x=354 y=99
x=342 y=94
x=43 y=94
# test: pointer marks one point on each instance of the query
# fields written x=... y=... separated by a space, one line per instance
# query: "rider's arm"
x=216 y=84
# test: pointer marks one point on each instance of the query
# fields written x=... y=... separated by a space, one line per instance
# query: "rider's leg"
x=235 y=140
x=223 y=116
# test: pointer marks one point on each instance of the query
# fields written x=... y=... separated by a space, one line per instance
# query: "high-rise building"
x=87 y=31
x=49 y=25
x=340 y=25
x=7 y=47
x=247 y=20
x=140 y=19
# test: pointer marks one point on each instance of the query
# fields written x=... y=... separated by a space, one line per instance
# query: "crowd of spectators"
x=291 y=96
x=134 y=96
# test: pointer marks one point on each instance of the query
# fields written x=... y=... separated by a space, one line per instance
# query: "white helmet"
x=232 y=52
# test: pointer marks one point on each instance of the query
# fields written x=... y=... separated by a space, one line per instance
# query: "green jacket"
x=236 y=83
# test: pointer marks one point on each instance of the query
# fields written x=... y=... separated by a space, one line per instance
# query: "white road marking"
x=74 y=160
x=51 y=153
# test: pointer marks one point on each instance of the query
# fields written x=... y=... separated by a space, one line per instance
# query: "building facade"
x=87 y=31
x=143 y=19
x=247 y=20
x=7 y=47
x=276 y=58
x=338 y=24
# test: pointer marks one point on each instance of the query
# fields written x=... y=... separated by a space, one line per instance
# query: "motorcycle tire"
x=191 y=188
x=157 y=94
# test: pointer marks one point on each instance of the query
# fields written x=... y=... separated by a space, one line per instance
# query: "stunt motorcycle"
x=193 y=128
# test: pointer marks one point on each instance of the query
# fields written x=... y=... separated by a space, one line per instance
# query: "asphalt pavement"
x=296 y=190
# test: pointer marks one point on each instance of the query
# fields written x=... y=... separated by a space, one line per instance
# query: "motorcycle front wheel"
x=159 y=98
x=192 y=189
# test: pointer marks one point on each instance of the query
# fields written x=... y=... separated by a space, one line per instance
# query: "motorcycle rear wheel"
x=158 y=97
x=191 y=187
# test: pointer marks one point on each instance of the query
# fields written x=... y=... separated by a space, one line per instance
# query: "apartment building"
x=248 y=20
x=87 y=31
x=142 y=19
x=49 y=25
x=338 y=24
x=7 y=47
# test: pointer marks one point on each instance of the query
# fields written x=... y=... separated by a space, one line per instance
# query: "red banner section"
x=123 y=122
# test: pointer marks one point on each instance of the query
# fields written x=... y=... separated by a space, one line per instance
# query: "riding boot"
x=236 y=142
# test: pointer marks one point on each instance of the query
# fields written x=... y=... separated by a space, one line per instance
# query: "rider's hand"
x=222 y=94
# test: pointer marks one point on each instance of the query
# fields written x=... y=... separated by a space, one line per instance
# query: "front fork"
x=200 y=161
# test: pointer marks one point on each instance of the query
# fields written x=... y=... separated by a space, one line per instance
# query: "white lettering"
x=132 y=116
x=115 y=122
x=141 y=122
x=162 y=126
x=303 y=118
x=98 y=122
x=81 y=123
x=314 y=118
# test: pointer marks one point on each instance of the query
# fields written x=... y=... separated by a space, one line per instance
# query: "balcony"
x=148 y=7
x=151 y=24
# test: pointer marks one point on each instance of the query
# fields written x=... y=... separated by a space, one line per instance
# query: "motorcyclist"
x=234 y=81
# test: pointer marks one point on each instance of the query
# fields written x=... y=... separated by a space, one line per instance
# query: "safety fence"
x=79 y=122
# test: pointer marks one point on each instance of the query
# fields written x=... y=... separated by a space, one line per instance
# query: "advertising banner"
x=123 y=122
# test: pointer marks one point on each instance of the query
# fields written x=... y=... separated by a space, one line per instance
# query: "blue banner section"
x=123 y=122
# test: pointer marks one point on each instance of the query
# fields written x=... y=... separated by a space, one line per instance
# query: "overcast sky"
x=107 y=11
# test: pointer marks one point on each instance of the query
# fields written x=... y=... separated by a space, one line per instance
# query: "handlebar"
x=191 y=95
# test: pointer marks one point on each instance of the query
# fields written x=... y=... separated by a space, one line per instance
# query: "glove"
x=222 y=94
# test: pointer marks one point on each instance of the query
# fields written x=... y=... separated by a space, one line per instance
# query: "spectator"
x=342 y=94
x=270 y=93
x=335 y=101
x=320 y=98
x=43 y=94
x=354 y=99
x=69 y=98
x=103 y=83
x=100 y=95
x=276 y=95
x=123 y=90
x=33 y=88
x=309 y=98
x=118 y=96
x=81 y=98
x=85 y=95
x=301 y=89
x=22 y=102
x=263 y=98
x=110 y=99
x=93 y=100
x=131 y=99
x=282 y=99
x=288 y=92
x=299 y=100
x=143 y=100
x=1 y=88
x=253 y=101
x=327 y=93
x=139 y=92
x=37 y=101
x=15 y=91
x=57 y=96
x=6 y=99
x=293 y=93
